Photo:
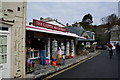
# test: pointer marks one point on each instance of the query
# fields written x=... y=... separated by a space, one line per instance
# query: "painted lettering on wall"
x=48 y=26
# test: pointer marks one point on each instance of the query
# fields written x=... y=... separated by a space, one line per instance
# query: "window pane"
x=0 y=59
x=4 y=28
x=5 y=59
x=0 y=39
x=0 y=49
x=4 y=49
x=3 y=39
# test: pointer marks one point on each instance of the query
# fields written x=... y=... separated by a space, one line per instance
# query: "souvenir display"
x=54 y=48
x=62 y=48
x=67 y=48
x=72 y=47
x=31 y=56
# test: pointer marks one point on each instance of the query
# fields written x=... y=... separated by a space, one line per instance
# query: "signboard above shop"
x=48 y=26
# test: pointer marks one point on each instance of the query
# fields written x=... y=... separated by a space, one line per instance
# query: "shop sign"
x=48 y=26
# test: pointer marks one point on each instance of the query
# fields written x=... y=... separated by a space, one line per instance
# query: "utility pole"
x=109 y=32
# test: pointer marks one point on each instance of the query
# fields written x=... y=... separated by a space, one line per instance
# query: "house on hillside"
x=115 y=34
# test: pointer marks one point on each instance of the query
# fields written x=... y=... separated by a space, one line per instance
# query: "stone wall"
x=14 y=14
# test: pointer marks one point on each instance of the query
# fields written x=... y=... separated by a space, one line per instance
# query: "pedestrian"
x=117 y=47
x=42 y=52
x=110 y=50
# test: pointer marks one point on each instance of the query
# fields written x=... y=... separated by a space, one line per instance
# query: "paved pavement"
x=44 y=70
x=95 y=68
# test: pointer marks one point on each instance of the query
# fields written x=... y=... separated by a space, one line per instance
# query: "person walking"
x=117 y=47
x=42 y=52
x=110 y=50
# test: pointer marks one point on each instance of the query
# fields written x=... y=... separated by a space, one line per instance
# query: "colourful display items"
x=53 y=63
x=47 y=61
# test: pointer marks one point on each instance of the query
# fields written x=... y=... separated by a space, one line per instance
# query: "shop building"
x=54 y=34
x=88 y=37
x=12 y=39
x=115 y=35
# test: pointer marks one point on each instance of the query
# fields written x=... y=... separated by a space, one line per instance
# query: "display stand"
x=32 y=58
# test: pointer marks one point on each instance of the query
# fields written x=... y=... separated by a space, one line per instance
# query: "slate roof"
x=77 y=30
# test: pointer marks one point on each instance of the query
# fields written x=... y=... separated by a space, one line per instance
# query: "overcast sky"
x=70 y=12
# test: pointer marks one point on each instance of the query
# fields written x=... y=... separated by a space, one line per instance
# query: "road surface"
x=100 y=67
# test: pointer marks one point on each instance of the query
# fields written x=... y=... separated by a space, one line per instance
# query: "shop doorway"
x=4 y=54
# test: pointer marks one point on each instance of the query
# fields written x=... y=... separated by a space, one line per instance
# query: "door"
x=4 y=56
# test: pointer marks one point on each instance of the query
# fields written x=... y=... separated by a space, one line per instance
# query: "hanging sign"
x=48 y=26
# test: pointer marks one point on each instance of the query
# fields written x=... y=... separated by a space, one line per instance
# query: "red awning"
x=40 y=29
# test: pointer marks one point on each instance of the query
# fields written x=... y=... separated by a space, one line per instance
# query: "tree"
x=87 y=19
x=104 y=20
x=110 y=20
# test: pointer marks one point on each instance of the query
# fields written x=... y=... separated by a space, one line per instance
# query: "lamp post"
x=109 y=33
x=109 y=36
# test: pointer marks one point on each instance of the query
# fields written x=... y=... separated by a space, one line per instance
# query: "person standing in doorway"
x=117 y=47
x=42 y=52
x=59 y=56
x=110 y=50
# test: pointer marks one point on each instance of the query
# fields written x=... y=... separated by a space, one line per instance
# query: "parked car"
x=103 y=47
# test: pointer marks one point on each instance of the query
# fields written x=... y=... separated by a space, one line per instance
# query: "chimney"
x=41 y=18
x=30 y=23
x=67 y=25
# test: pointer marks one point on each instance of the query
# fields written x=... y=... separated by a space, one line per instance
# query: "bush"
x=80 y=47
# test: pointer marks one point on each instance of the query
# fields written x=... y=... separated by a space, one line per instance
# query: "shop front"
x=54 y=40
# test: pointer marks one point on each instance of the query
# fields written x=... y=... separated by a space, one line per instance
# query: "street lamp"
x=109 y=36
x=109 y=33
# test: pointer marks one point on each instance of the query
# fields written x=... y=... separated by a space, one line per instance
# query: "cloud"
x=70 y=12
x=72 y=0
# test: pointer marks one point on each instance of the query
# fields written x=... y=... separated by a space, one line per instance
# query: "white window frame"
x=2 y=32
